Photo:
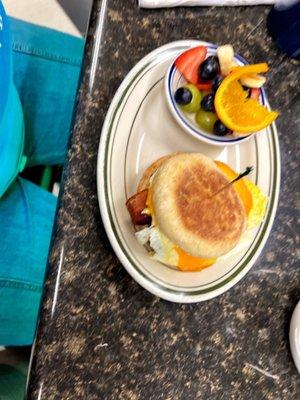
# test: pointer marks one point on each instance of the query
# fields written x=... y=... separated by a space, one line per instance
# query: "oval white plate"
x=137 y=130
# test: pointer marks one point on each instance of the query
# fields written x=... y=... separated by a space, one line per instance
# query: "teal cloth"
x=11 y=141
x=27 y=214
x=46 y=65
x=11 y=116
x=46 y=70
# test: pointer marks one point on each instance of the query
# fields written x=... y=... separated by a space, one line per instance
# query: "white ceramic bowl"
x=174 y=79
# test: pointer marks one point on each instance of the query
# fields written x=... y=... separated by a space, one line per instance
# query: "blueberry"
x=183 y=96
x=217 y=82
x=220 y=129
x=209 y=69
x=207 y=103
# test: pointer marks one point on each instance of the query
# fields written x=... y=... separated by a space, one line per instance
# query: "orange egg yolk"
x=186 y=262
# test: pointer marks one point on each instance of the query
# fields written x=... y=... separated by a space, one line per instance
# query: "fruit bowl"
x=174 y=80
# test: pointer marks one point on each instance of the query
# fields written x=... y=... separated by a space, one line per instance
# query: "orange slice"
x=238 y=113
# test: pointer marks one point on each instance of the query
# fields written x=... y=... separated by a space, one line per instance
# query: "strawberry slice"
x=207 y=86
x=189 y=61
x=255 y=93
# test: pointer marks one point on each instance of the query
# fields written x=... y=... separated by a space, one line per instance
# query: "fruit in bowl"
x=222 y=96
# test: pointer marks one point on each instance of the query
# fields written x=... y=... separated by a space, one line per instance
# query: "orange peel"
x=235 y=110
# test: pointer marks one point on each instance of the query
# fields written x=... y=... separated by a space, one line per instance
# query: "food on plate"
x=225 y=55
x=189 y=98
x=234 y=109
x=194 y=212
x=259 y=204
x=230 y=91
x=189 y=61
x=209 y=69
x=204 y=86
x=253 y=81
x=254 y=93
x=207 y=102
x=136 y=206
x=220 y=129
x=206 y=120
x=183 y=96
x=216 y=83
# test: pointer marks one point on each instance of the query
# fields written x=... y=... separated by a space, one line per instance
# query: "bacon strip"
x=135 y=205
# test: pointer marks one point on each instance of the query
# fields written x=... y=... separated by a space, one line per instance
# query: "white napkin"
x=183 y=3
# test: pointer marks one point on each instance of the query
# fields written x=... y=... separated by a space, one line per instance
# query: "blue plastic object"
x=12 y=160
x=283 y=25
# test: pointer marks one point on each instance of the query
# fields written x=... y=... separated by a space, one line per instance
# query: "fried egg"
x=163 y=248
x=259 y=204
x=166 y=252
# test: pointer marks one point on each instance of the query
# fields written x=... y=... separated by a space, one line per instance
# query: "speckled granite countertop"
x=101 y=336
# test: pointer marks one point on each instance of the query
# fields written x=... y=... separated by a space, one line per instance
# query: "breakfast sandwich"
x=188 y=212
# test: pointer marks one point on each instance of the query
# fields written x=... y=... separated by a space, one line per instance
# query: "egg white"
x=163 y=249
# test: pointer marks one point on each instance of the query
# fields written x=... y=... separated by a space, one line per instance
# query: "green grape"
x=206 y=120
x=194 y=105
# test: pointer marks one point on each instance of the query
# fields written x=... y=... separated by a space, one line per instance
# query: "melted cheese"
x=240 y=186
